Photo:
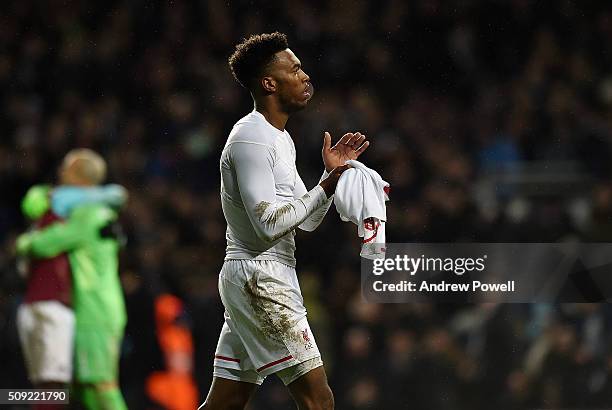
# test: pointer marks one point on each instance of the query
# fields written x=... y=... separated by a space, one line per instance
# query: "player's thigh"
x=311 y=390
x=228 y=394
x=97 y=353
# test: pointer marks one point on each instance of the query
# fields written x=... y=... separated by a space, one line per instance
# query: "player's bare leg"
x=227 y=394
x=311 y=391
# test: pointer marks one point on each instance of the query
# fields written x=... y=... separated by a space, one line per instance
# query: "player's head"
x=265 y=65
x=82 y=167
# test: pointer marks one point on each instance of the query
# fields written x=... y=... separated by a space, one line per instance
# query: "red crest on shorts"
x=305 y=335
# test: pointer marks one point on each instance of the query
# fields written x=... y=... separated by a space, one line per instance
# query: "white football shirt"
x=262 y=195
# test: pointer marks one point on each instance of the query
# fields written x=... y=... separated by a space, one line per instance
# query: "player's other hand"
x=350 y=146
x=329 y=183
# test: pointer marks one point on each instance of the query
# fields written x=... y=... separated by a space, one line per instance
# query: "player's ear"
x=268 y=84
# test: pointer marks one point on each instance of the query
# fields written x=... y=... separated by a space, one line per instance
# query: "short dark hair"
x=253 y=54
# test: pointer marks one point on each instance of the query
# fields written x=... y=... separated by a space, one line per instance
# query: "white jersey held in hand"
x=360 y=197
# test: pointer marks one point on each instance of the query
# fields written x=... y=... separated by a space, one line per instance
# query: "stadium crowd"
x=452 y=94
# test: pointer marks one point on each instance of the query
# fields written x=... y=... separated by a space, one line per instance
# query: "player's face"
x=293 y=85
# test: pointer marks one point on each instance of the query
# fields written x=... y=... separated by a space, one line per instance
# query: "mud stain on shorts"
x=272 y=311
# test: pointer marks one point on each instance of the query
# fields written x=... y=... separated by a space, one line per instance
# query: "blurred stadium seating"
x=492 y=120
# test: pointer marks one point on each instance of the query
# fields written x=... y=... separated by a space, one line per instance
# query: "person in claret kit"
x=45 y=319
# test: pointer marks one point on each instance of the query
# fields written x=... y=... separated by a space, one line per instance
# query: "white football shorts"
x=265 y=329
x=46 y=332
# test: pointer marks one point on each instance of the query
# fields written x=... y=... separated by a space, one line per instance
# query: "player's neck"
x=273 y=115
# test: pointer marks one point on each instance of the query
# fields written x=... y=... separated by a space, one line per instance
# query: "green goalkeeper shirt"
x=97 y=295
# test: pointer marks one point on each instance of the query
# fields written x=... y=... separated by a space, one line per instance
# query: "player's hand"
x=329 y=183
x=350 y=146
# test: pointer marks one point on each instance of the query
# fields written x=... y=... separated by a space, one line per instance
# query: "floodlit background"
x=492 y=120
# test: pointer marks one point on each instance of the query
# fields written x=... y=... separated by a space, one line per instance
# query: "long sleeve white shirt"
x=262 y=195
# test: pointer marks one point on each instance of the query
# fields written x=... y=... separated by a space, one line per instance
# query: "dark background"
x=490 y=119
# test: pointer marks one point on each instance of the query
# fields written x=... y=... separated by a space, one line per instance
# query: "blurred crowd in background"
x=492 y=121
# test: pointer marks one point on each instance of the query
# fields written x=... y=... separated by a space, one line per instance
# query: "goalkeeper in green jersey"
x=90 y=236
